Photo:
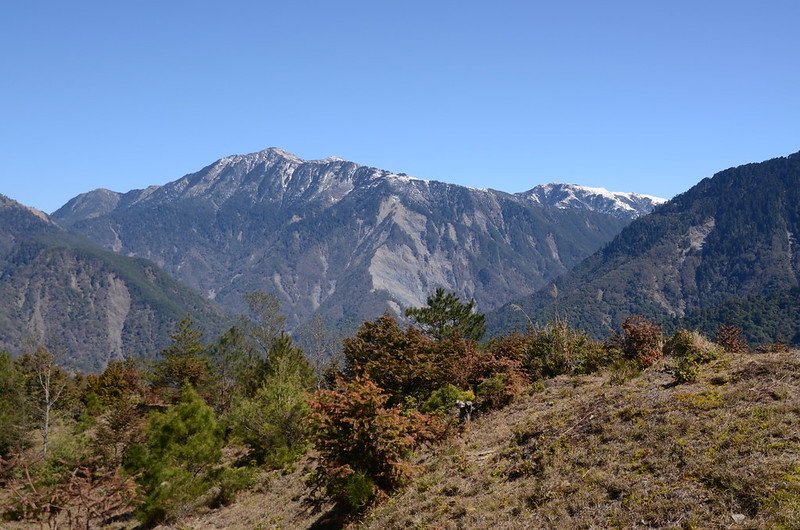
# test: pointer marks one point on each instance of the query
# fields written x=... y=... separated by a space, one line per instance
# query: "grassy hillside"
x=593 y=452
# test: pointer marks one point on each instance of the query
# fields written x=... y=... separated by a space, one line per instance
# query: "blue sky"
x=635 y=95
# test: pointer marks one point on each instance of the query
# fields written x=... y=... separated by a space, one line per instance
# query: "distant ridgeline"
x=726 y=251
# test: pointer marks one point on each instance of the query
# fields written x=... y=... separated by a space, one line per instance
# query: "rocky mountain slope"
x=346 y=240
x=86 y=304
x=726 y=245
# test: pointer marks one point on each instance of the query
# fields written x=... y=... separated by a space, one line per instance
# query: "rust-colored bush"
x=89 y=496
x=400 y=361
x=494 y=372
x=408 y=366
x=121 y=380
x=641 y=340
x=363 y=443
x=731 y=339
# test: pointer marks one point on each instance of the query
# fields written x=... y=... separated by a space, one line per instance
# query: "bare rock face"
x=345 y=240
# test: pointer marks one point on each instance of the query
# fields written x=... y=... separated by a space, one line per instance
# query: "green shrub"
x=623 y=370
x=496 y=392
x=557 y=349
x=689 y=350
x=359 y=490
x=443 y=399
x=230 y=481
x=13 y=403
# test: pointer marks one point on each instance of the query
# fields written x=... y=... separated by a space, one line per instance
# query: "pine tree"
x=266 y=323
x=446 y=316
x=186 y=340
x=179 y=461
x=183 y=361
x=274 y=420
x=232 y=363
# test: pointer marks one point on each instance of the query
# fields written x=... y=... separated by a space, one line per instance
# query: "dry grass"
x=588 y=454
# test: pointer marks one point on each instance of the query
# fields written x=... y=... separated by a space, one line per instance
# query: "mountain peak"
x=282 y=153
x=722 y=252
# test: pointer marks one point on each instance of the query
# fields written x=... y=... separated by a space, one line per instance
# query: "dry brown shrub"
x=732 y=339
x=642 y=340
x=363 y=444
x=90 y=496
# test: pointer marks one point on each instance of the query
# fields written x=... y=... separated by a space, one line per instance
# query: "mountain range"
x=724 y=251
x=347 y=241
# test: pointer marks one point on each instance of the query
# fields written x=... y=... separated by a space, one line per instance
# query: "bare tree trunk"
x=321 y=347
x=52 y=387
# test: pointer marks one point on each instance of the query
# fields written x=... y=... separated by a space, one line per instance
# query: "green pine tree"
x=183 y=361
x=446 y=316
x=273 y=421
x=178 y=463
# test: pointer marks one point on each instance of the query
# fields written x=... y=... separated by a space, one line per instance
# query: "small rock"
x=738 y=518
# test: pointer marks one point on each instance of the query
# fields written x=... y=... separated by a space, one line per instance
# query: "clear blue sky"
x=637 y=95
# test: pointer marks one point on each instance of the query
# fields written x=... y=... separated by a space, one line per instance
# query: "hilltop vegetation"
x=246 y=432
x=593 y=452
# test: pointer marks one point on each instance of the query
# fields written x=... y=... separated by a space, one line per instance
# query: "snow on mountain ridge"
x=274 y=175
x=619 y=203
